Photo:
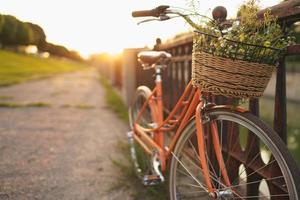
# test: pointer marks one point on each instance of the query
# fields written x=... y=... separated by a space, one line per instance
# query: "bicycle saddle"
x=151 y=58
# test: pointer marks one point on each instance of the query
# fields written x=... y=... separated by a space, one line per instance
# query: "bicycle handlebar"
x=143 y=13
x=156 y=12
x=164 y=12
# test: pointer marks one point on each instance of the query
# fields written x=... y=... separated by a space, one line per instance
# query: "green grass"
x=16 y=68
x=6 y=97
x=292 y=63
x=292 y=66
x=130 y=179
x=78 y=106
x=37 y=104
x=19 y=105
x=114 y=101
x=84 y=106
x=10 y=105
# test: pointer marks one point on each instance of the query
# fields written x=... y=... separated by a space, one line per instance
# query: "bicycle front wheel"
x=256 y=160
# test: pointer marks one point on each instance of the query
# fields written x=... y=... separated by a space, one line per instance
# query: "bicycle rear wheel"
x=141 y=160
x=142 y=94
x=257 y=162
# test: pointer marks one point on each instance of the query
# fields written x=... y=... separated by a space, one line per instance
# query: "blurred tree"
x=75 y=56
x=24 y=35
x=61 y=51
x=15 y=32
x=9 y=30
x=1 y=22
x=57 y=50
x=296 y=33
x=39 y=36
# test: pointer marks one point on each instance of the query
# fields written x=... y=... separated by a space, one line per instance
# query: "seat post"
x=159 y=95
x=158 y=77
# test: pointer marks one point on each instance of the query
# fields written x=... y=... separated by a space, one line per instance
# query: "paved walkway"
x=63 y=151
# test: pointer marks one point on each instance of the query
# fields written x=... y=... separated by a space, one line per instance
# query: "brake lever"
x=160 y=18
x=148 y=20
x=164 y=17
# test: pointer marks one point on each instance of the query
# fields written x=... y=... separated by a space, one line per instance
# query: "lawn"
x=114 y=101
x=129 y=178
x=16 y=68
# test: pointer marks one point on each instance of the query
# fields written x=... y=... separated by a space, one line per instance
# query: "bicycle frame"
x=189 y=105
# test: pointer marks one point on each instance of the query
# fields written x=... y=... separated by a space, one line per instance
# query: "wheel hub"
x=222 y=195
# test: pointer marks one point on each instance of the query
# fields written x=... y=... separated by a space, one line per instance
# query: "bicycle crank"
x=154 y=175
x=157 y=176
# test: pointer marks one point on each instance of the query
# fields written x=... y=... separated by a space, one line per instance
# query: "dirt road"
x=58 y=140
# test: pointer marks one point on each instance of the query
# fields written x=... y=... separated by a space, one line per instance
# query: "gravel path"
x=60 y=151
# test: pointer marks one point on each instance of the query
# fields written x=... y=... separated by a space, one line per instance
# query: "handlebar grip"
x=144 y=13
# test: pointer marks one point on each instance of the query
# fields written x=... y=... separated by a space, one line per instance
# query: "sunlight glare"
x=92 y=26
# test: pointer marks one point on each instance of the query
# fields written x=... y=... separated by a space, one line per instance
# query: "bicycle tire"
x=141 y=160
x=142 y=94
x=279 y=153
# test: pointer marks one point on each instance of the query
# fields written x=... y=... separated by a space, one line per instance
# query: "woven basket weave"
x=239 y=75
x=230 y=78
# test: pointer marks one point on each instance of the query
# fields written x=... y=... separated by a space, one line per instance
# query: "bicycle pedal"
x=130 y=134
x=151 y=180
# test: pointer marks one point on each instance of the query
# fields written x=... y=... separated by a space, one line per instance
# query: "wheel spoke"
x=264 y=196
x=253 y=182
x=190 y=185
x=209 y=162
x=212 y=176
x=230 y=141
x=257 y=179
x=215 y=178
x=189 y=176
x=195 y=179
x=253 y=159
x=258 y=169
x=194 y=150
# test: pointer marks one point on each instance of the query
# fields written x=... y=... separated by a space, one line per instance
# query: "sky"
x=96 y=26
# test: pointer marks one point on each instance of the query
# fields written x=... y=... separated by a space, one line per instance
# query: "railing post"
x=280 y=115
x=129 y=70
x=254 y=106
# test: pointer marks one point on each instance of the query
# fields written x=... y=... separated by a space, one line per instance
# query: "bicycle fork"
x=203 y=157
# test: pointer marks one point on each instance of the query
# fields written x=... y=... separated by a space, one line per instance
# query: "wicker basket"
x=239 y=75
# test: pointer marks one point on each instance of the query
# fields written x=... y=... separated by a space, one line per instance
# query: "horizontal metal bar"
x=176 y=42
x=181 y=58
x=287 y=11
x=142 y=144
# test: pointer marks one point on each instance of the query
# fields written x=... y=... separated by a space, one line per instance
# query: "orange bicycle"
x=199 y=142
